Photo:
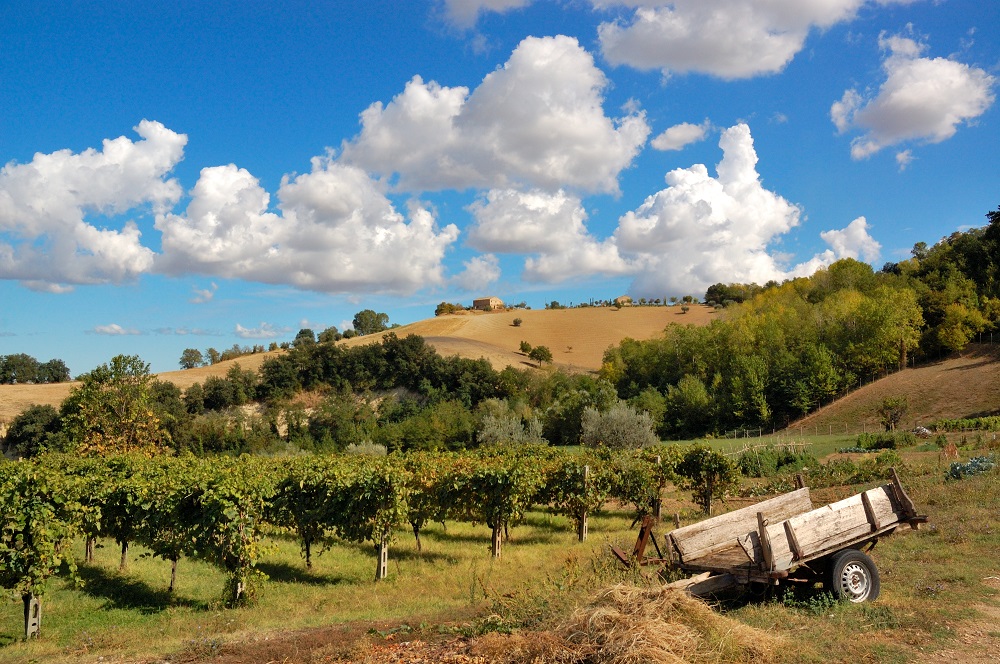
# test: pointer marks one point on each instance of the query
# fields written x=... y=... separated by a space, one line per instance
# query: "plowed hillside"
x=576 y=337
x=960 y=386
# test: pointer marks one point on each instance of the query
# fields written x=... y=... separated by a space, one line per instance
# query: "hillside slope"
x=576 y=337
x=959 y=386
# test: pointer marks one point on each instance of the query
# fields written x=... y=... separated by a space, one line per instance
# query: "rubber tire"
x=853 y=577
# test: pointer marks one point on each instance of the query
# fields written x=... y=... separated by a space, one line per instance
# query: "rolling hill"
x=958 y=386
x=577 y=338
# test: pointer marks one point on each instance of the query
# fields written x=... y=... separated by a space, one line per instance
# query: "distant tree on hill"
x=525 y=347
x=368 y=321
x=447 y=308
x=329 y=335
x=540 y=354
x=32 y=430
x=892 y=410
x=212 y=355
x=53 y=371
x=191 y=358
x=305 y=337
x=517 y=322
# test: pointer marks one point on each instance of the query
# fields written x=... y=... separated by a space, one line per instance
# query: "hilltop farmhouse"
x=487 y=304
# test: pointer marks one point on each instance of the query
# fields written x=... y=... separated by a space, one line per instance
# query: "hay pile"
x=626 y=624
x=630 y=625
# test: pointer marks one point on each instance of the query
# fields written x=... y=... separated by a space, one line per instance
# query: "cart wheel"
x=853 y=576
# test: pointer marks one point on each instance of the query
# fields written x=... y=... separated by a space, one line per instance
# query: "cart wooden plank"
x=722 y=532
x=832 y=526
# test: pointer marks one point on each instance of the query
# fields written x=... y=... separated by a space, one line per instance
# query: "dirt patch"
x=977 y=641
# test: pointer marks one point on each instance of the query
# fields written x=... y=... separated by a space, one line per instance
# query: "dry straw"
x=631 y=625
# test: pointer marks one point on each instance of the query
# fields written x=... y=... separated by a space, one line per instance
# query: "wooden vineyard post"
x=32 y=616
x=658 y=501
x=88 y=552
x=497 y=540
x=382 y=553
x=581 y=530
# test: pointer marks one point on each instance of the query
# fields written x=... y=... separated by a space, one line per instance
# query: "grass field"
x=939 y=590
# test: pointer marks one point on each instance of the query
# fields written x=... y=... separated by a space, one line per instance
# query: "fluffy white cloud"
x=731 y=39
x=923 y=99
x=681 y=135
x=548 y=224
x=115 y=330
x=702 y=230
x=536 y=122
x=904 y=158
x=46 y=238
x=337 y=232
x=480 y=272
x=264 y=331
x=465 y=13
x=853 y=241
x=203 y=295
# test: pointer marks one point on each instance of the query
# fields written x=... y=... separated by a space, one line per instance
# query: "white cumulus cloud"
x=922 y=99
x=731 y=39
x=550 y=225
x=681 y=135
x=702 y=230
x=537 y=121
x=478 y=273
x=853 y=241
x=465 y=13
x=263 y=331
x=115 y=330
x=336 y=232
x=49 y=238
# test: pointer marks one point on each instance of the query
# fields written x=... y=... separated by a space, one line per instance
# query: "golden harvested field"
x=576 y=337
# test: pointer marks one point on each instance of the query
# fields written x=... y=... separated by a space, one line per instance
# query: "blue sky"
x=182 y=174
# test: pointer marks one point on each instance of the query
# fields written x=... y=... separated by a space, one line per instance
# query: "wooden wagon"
x=785 y=539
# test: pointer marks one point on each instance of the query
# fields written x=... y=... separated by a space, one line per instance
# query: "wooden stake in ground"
x=32 y=616
x=382 y=554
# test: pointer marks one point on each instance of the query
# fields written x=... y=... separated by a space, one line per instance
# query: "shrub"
x=769 y=461
x=620 y=427
x=888 y=440
x=366 y=447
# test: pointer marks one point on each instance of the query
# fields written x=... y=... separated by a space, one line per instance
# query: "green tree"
x=708 y=474
x=191 y=358
x=525 y=347
x=892 y=410
x=540 y=354
x=329 y=335
x=18 y=368
x=32 y=430
x=53 y=371
x=369 y=322
x=112 y=410
x=305 y=337
x=213 y=356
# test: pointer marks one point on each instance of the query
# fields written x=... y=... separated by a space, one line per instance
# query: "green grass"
x=132 y=614
x=932 y=580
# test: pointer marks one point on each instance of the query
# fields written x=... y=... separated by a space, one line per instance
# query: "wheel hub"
x=855 y=583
